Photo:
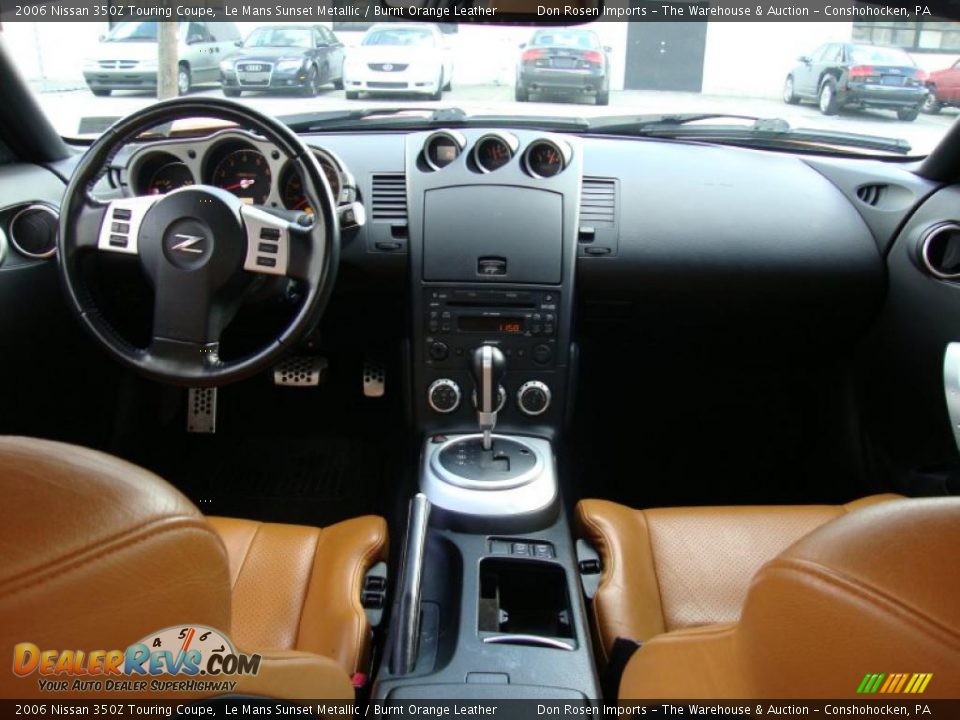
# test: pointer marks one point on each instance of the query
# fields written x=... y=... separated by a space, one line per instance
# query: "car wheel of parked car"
x=908 y=114
x=232 y=92
x=828 y=97
x=352 y=95
x=312 y=88
x=931 y=104
x=602 y=97
x=183 y=79
x=338 y=83
x=101 y=92
x=520 y=94
x=789 y=96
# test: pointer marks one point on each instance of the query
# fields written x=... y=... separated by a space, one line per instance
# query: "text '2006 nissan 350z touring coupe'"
x=478 y=358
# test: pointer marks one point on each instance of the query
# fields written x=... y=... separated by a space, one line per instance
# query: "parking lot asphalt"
x=67 y=108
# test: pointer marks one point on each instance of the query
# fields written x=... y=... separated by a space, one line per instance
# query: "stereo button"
x=439 y=351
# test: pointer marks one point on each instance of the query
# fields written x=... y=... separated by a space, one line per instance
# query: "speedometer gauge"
x=246 y=174
x=169 y=177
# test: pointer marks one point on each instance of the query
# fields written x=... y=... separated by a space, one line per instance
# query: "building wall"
x=773 y=48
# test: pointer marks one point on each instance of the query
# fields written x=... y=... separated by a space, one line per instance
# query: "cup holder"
x=525 y=603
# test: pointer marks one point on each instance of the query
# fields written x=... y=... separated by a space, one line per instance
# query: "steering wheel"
x=200 y=247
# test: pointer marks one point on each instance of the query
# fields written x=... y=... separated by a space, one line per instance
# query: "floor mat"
x=305 y=480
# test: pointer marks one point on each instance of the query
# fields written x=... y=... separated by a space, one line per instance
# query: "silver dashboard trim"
x=951 y=387
x=928 y=237
x=537 y=492
x=13 y=237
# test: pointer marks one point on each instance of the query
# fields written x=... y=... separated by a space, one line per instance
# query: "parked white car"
x=399 y=58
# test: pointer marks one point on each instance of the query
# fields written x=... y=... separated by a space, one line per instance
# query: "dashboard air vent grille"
x=389 y=202
x=598 y=202
x=871 y=194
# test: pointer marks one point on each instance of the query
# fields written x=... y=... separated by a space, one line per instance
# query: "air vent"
x=871 y=194
x=389 y=203
x=940 y=251
x=598 y=202
x=33 y=231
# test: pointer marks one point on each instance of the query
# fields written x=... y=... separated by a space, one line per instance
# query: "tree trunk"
x=167 y=59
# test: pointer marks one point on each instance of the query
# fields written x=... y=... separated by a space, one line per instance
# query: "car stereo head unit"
x=523 y=323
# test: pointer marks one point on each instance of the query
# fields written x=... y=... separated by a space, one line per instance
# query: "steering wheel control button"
x=120 y=228
x=268 y=241
x=444 y=395
x=533 y=398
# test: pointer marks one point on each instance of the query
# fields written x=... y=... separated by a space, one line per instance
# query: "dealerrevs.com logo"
x=201 y=657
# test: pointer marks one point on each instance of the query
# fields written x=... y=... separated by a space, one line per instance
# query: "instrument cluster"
x=248 y=166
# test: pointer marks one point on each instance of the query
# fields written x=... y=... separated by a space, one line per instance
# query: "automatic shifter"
x=488 y=366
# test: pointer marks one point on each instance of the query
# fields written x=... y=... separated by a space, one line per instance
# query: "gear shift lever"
x=488 y=366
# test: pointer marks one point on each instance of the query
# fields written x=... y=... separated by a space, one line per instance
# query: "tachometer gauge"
x=246 y=174
x=544 y=159
x=169 y=177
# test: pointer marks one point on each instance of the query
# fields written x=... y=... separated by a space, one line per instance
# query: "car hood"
x=268 y=53
x=397 y=54
x=125 y=51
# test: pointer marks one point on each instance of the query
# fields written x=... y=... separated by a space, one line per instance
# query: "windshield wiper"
x=768 y=132
x=418 y=116
x=412 y=115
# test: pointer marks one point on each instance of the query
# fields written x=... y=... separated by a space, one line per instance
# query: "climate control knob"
x=533 y=397
x=444 y=395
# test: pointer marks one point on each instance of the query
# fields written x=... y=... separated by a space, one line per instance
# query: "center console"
x=499 y=609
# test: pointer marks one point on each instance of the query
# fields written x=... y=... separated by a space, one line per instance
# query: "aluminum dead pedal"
x=300 y=371
x=374 y=379
x=202 y=410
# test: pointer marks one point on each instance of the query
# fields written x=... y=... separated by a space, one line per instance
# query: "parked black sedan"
x=840 y=75
x=564 y=60
x=284 y=57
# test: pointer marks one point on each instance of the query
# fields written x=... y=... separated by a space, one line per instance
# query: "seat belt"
x=620 y=654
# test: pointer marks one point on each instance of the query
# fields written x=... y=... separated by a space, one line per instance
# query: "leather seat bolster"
x=296 y=675
x=873 y=591
x=92 y=533
x=298 y=588
x=627 y=603
x=673 y=568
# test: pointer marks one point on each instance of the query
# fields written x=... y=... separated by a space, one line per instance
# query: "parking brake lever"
x=403 y=659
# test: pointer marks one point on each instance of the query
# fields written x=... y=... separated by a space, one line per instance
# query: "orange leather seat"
x=872 y=591
x=675 y=568
x=97 y=553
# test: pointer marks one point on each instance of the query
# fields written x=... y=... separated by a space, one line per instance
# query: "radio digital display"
x=482 y=323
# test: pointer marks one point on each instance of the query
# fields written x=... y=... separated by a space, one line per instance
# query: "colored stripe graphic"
x=894 y=683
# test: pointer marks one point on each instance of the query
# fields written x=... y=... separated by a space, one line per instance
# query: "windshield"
x=398 y=36
x=279 y=37
x=857 y=83
x=879 y=56
x=133 y=32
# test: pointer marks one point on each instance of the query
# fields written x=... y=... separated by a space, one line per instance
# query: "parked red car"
x=944 y=86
